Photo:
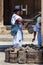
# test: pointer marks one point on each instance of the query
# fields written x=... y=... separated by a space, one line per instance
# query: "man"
x=37 y=29
x=17 y=20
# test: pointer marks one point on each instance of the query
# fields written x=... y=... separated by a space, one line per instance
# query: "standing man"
x=37 y=29
x=17 y=20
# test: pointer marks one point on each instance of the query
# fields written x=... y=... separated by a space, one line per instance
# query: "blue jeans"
x=39 y=40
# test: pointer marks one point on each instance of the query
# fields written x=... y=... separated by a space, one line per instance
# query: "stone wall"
x=1 y=12
x=24 y=55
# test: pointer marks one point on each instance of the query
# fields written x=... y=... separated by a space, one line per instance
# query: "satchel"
x=14 y=29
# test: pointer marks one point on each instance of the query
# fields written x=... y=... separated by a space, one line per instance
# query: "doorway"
x=33 y=7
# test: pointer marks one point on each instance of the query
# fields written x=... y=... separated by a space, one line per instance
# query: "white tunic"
x=17 y=39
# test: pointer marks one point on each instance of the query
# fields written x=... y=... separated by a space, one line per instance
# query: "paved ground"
x=7 y=39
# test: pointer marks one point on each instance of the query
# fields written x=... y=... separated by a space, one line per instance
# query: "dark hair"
x=17 y=8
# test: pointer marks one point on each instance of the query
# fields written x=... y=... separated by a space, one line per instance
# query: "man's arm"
x=18 y=21
x=34 y=37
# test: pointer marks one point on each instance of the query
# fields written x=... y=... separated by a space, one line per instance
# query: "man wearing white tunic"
x=17 y=19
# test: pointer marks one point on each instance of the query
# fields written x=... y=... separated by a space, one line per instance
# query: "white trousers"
x=17 y=39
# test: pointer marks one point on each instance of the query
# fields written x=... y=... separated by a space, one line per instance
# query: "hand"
x=33 y=39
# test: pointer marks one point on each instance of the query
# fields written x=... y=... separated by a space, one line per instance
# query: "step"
x=11 y=43
x=5 y=45
x=10 y=38
x=4 y=31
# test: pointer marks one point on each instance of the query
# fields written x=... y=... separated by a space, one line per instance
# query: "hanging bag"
x=14 y=29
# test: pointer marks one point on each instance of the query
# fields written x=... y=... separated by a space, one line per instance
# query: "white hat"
x=39 y=19
x=17 y=7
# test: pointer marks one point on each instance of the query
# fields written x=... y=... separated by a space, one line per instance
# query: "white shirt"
x=17 y=39
x=14 y=18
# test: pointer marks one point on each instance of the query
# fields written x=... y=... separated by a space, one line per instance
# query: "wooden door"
x=33 y=6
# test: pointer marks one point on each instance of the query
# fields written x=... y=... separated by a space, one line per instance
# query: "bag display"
x=14 y=29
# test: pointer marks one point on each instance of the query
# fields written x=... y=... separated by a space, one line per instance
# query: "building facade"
x=29 y=9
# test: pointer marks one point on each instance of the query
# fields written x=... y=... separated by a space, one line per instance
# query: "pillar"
x=1 y=12
x=42 y=20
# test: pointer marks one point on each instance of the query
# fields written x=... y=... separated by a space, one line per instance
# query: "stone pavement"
x=2 y=61
x=6 y=39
